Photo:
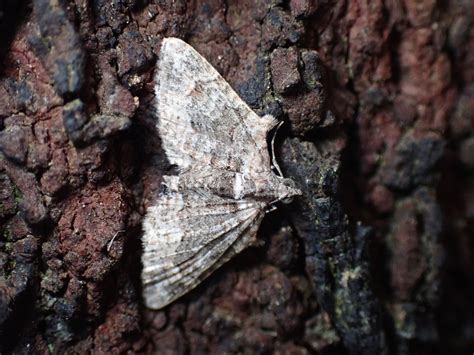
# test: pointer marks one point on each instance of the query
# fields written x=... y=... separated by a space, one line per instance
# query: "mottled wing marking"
x=187 y=236
x=200 y=117
x=219 y=145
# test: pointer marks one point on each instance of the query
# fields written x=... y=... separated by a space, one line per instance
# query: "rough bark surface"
x=376 y=257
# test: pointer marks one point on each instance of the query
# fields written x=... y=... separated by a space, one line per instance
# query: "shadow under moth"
x=212 y=208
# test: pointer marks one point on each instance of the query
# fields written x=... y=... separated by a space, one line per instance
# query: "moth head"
x=287 y=190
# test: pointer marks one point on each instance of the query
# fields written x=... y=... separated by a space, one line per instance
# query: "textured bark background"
x=376 y=257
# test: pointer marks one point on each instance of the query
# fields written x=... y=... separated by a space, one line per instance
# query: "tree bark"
x=375 y=257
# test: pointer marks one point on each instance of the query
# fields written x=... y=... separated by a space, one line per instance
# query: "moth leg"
x=270 y=208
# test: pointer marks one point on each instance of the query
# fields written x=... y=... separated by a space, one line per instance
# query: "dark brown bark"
x=376 y=257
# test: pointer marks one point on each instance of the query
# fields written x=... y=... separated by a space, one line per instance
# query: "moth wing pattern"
x=211 y=135
x=201 y=120
x=189 y=235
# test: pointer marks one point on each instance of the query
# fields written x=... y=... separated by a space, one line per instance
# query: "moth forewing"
x=206 y=216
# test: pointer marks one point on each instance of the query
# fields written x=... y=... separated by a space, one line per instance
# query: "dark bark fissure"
x=375 y=257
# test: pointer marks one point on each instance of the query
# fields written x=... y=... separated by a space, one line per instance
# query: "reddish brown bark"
x=379 y=101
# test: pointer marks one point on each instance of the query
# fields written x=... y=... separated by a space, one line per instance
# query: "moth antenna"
x=274 y=161
x=109 y=245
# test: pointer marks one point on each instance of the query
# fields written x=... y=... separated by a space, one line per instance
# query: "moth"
x=212 y=208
